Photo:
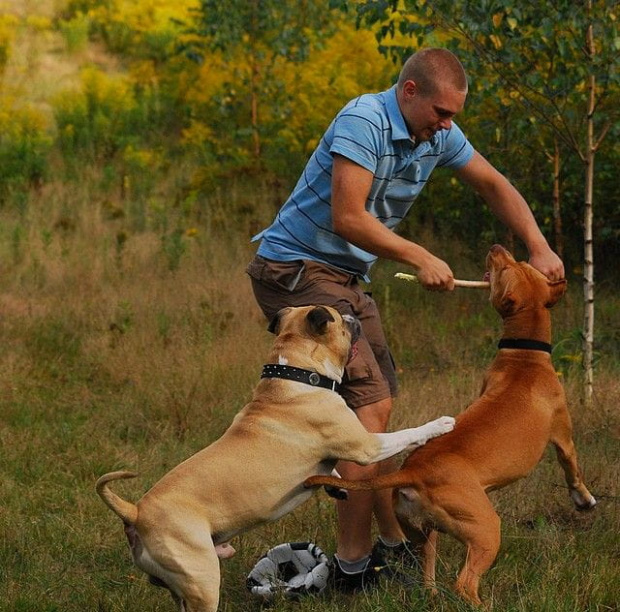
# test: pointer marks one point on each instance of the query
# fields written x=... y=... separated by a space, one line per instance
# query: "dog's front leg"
x=410 y=439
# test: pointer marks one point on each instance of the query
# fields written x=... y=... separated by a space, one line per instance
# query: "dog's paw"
x=336 y=493
x=442 y=425
x=224 y=551
x=582 y=503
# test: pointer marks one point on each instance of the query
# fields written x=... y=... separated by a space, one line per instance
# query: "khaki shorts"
x=370 y=376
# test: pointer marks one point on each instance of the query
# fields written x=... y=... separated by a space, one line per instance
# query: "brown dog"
x=497 y=440
x=295 y=425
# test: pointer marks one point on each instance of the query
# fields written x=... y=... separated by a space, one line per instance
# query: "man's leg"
x=355 y=514
x=324 y=285
x=389 y=528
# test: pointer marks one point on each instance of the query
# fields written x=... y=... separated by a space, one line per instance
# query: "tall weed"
x=75 y=31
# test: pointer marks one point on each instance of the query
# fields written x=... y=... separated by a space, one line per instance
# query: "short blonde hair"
x=431 y=68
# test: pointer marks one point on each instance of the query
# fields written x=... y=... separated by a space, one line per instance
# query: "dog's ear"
x=556 y=290
x=507 y=302
x=318 y=318
x=274 y=324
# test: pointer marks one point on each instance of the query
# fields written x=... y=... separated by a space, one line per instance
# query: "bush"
x=24 y=147
x=96 y=120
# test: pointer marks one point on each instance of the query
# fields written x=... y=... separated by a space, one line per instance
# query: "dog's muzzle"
x=355 y=329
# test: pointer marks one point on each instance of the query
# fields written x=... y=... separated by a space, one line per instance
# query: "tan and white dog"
x=294 y=427
x=498 y=439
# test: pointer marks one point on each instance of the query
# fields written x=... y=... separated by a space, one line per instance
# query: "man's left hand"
x=549 y=264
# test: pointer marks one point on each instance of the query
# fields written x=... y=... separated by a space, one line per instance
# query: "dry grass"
x=111 y=359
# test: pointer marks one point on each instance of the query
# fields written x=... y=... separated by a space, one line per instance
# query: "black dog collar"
x=523 y=343
x=274 y=370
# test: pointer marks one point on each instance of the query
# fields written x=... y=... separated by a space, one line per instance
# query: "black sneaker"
x=404 y=554
x=376 y=569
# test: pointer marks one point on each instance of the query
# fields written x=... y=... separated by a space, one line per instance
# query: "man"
x=362 y=179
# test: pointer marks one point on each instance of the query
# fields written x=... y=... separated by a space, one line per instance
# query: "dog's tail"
x=387 y=481
x=126 y=510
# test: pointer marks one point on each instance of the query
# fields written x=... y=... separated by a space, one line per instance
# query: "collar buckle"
x=314 y=379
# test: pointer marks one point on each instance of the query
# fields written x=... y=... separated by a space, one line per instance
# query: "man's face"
x=426 y=114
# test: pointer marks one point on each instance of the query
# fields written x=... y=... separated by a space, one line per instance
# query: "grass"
x=112 y=358
x=130 y=339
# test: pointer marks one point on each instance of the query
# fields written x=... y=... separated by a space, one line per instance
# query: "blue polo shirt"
x=370 y=131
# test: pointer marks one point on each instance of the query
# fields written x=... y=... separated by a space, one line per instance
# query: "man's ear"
x=556 y=290
x=410 y=88
x=318 y=318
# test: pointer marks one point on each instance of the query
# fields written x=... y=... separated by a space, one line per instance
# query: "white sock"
x=390 y=543
x=353 y=567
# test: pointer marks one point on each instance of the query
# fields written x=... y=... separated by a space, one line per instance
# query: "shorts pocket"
x=357 y=371
x=281 y=275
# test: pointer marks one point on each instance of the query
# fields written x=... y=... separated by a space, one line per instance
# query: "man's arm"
x=509 y=206
x=351 y=185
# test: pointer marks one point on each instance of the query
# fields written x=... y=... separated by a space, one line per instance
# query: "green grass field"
x=133 y=352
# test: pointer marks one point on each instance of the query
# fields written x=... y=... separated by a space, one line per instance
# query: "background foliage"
x=213 y=91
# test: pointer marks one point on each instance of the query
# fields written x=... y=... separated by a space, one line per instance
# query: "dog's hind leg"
x=562 y=439
x=408 y=510
x=429 y=558
x=467 y=513
x=425 y=545
x=482 y=540
x=199 y=583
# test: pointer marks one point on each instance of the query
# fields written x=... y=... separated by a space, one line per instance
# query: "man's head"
x=431 y=89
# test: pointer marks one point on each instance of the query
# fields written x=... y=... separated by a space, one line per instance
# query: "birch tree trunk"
x=588 y=271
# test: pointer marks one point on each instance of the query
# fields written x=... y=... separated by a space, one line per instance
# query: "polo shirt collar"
x=397 y=121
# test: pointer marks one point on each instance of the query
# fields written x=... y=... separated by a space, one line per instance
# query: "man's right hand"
x=435 y=274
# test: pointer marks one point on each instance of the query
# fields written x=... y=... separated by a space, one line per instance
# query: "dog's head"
x=318 y=332
x=516 y=284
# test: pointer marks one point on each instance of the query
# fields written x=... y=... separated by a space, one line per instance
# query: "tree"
x=559 y=59
x=265 y=30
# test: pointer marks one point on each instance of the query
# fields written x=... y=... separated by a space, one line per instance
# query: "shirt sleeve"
x=457 y=150
x=357 y=136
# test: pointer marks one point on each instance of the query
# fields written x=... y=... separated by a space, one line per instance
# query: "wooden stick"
x=457 y=283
